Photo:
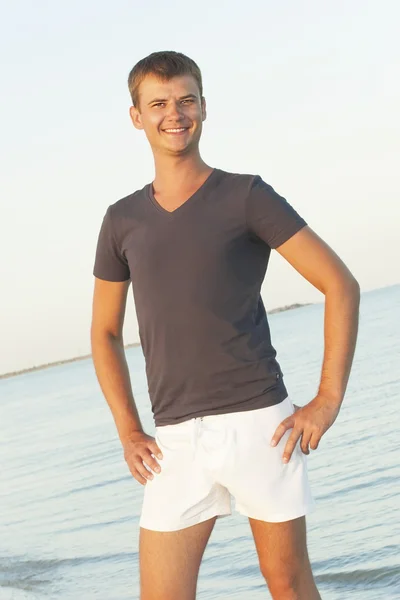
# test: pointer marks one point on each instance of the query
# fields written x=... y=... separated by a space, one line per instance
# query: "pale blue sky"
x=304 y=93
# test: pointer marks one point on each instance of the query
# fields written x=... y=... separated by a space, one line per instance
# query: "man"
x=195 y=245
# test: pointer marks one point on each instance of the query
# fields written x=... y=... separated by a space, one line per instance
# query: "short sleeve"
x=269 y=216
x=110 y=264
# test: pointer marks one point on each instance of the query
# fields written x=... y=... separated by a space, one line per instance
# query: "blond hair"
x=164 y=65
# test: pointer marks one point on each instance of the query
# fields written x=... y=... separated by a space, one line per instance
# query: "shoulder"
x=127 y=204
x=233 y=177
x=129 y=209
x=122 y=214
x=239 y=181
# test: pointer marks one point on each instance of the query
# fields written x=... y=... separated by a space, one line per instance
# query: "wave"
x=30 y=574
x=384 y=576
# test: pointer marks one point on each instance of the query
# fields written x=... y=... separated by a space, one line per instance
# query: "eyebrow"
x=186 y=97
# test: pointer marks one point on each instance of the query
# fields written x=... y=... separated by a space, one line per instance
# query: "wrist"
x=128 y=430
x=127 y=421
x=332 y=397
x=131 y=436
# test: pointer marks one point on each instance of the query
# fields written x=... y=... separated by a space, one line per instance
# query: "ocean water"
x=69 y=508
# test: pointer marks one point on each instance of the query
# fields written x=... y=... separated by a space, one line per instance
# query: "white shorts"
x=208 y=459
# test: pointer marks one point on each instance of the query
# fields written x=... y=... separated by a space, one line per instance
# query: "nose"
x=175 y=111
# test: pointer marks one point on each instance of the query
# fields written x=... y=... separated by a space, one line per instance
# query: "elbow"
x=354 y=294
x=353 y=288
x=102 y=335
x=346 y=286
x=96 y=333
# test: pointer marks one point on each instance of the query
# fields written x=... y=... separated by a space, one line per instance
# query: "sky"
x=305 y=94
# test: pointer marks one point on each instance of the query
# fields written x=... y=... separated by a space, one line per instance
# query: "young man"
x=195 y=244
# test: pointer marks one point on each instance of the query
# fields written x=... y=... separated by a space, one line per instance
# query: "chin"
x=182 y=148
x=178 y=151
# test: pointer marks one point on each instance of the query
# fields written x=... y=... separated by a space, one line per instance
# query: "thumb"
x=154 y=449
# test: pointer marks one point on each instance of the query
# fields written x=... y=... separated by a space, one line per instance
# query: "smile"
x=176 y=130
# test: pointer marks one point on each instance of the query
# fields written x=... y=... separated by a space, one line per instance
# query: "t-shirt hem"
x=110 y=278
x=271 y=398
x=278 y=241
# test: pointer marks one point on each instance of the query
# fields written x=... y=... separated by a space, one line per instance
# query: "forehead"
x=152 y=87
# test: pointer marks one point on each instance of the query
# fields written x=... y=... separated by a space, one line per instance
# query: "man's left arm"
x=319 y=264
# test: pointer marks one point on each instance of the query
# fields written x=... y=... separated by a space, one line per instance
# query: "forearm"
x=340 y=334
x=113 y=375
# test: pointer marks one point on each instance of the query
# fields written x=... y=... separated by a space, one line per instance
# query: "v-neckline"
x=190 y=200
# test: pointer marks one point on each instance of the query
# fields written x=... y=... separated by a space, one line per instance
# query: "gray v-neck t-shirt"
x=196 y=277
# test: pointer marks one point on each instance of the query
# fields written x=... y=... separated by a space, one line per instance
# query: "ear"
x=136 y=117
x=203 y=109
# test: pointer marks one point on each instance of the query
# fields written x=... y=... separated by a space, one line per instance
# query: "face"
x=171 y=114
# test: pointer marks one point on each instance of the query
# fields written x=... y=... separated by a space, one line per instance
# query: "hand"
x=309 y=422
x=140 y=451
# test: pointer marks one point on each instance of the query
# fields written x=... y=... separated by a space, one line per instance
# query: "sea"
x=69 y=508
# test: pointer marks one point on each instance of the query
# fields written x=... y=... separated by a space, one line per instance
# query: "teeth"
x=176 y=130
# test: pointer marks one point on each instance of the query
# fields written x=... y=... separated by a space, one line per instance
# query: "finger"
x=315 y=440
x=138 y=469
x=135 y=473
x=151 y=462
x=145 y=473
x=290 y=445
x=281 y=430
x=305 y=440
x=154 y=449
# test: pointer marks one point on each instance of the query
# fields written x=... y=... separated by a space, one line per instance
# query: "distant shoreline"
x=274 y=311
x=78 y=358
x=54 y=364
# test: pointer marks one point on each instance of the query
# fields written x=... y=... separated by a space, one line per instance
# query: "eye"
x=158 y=104
x=188 y=101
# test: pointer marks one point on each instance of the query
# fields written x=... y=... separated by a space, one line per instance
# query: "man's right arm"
x=109 y=302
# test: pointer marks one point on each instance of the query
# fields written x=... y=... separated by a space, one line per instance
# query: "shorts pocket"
x=272 y=417
x=172 y=438
x=291 y=404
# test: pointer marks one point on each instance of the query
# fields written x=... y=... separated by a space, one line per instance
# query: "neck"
x=175 y=172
